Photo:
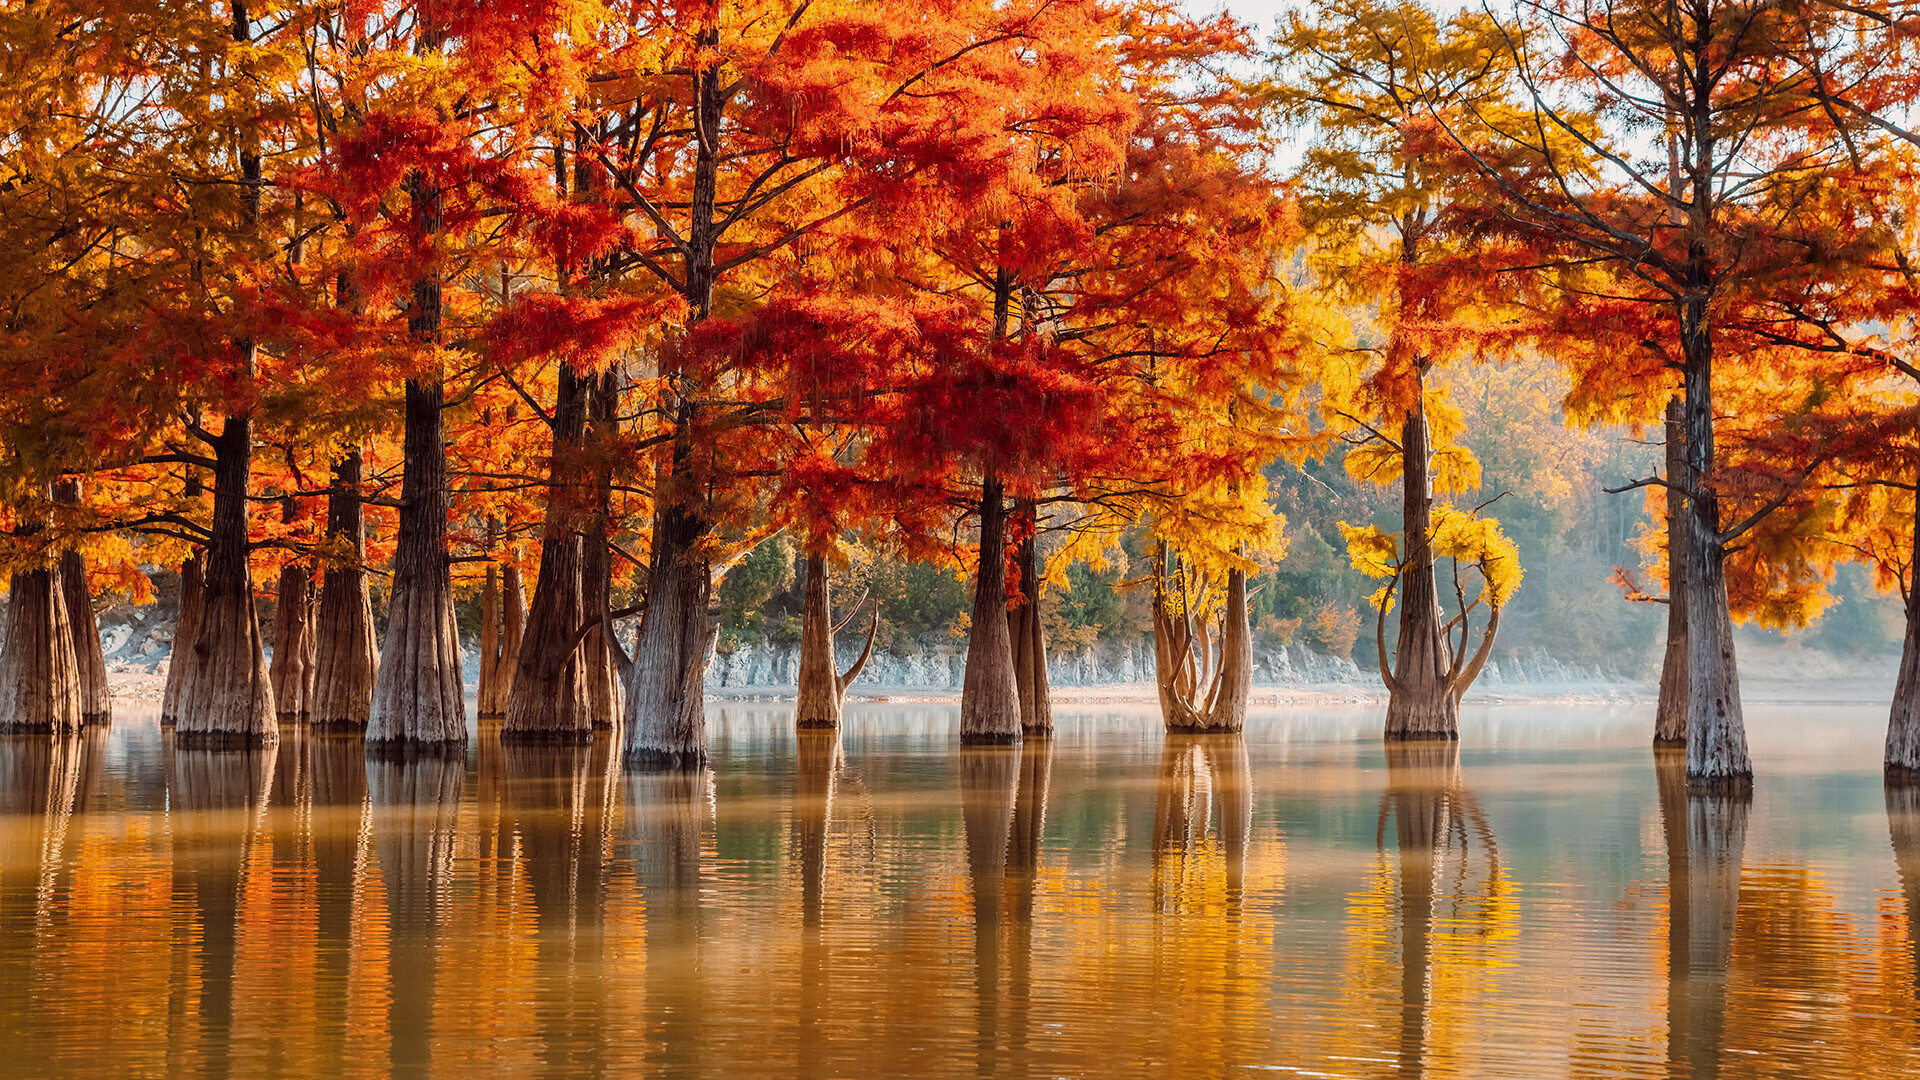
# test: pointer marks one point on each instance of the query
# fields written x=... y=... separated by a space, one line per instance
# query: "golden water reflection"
x=882 y=902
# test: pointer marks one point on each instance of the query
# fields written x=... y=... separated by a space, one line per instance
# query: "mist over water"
x=1544 y=899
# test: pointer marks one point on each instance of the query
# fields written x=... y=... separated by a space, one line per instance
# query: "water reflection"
x=1903 y=822
x=667 y=815
x=338 y=822
x=416 y=801
x=217 y=815
x=1453 y=897
x=1706 y=836
x=1205 y=788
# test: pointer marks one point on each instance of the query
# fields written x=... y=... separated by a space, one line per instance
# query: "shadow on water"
x=1706 y=837
x=1450 y=870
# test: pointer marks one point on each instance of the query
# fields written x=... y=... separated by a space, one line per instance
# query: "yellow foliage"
x=1460 y=535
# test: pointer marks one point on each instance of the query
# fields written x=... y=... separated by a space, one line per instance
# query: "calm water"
x=1541 y=901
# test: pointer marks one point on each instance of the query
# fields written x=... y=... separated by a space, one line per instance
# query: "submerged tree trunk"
x=344 y=660
x=1202 y=688
x=822 y=687
x=1419 y=702
x=1903 y=724
x=1023 y=627
x=186 y=624
x=989 y=695
x=96 y=701
x=292 y=670
x=39 y=677
x=548 y=702
x=666 y=701
x=1670 y=717
x=225 y=698
x=1716 y=728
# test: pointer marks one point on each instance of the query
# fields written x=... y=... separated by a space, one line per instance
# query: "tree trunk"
x=226 y=699
x=1716 y=729
x=343 y=658
x=596 y=557
x=1228 y=711
x=96 y=701
x=1706 y=835
x=487 y=703
x=989 y=695
x=186 y=624
x=1903 y=724
x=549 y=702
x=417 y=697
x=819 y=700
x=666 y=702
x=1670 y=717
x=1029 y=639
x=1419 y=705
x=292 y=670
x=39 y=677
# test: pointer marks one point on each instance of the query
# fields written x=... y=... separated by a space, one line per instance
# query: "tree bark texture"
x=96 y=701
x=1420 y=704
x=417 y=693
x=39 y=677
x=1706 y=831
x=186 y=624
x=1028 y=636
x=989 y=694
x=822 y=686
x=596 y=556
x=487 y=704
x=1203 y=687
x=417 y=697
x=226 y=698
x=1903 y=722
x=666 y=701
x=549 y=700
x=344 y=660
x=1716 y=727
x=1670 y=717
x=292 y=669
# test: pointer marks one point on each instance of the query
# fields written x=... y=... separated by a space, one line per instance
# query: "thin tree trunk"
x=989 y=695
x=39 y=677
x=1028 y=637
x=1716 y=728
x=487 y=702
x=344 y=661
x=549 y=701
x=96 y=701
x=1419 y=705
x=596 y=556
x=1903 y=723
x=1670 y=717
x=186 y=625
x=666 y=703
x=226 y=699
x=292 y=670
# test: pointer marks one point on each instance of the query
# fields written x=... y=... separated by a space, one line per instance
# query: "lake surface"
x=1542 y=900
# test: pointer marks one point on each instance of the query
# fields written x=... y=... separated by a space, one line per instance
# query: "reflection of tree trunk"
x=666 y=815
x=1205 y=784
x=39 y=676
x=1419 y=705
x=1430 y=806
x=815 y=771
x=1670 y=718
x=1023 y=867
x=416 y=804
x=43 y=782
x=216 y=804
x=1023 y=627
x=555 y=808
x=989 y=696
x=343 y=658
x=1903 y=822
x=989 y=790
x=1706 y=837
x=96 y=702
x=339 y=817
